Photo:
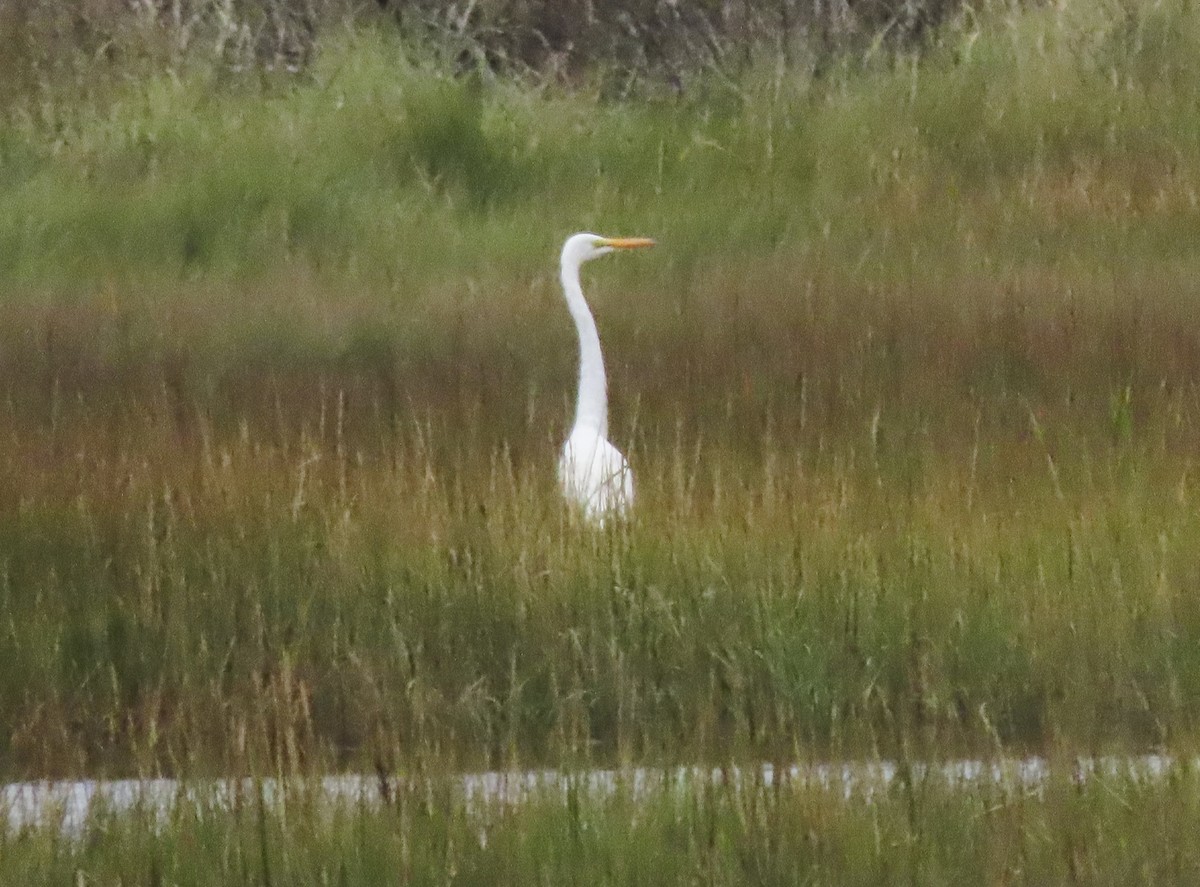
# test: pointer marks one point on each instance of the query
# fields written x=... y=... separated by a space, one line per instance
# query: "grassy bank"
x=908 y=387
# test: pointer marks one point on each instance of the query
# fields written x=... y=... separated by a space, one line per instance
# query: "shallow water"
x=70 y=804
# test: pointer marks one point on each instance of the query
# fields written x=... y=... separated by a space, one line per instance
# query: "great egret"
x=592 y=472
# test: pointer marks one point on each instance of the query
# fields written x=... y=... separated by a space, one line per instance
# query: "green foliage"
x=1026 y=133
x=907 y=388
x=1113 y=828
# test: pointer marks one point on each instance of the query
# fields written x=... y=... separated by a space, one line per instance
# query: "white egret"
x=592 y=472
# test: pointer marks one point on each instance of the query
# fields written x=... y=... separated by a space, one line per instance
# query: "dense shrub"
x=41 y=40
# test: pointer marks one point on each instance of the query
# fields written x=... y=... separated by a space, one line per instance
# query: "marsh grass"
x=1107 y=830
x=909 y=389
x=220 y=562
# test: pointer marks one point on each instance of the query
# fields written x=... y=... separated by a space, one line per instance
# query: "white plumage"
x=591 y=471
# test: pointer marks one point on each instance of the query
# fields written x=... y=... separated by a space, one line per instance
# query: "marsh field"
x=910 y=387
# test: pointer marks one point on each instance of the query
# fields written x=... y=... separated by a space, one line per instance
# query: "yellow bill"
x=627 y=242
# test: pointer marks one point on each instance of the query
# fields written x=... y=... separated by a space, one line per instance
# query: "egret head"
x=581 y=248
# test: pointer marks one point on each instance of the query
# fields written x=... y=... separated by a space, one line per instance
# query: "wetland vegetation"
x=909 y=388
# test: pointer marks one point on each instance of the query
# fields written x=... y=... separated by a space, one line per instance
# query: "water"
x=71 y=804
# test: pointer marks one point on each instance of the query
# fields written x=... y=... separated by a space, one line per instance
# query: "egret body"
x=592 y=472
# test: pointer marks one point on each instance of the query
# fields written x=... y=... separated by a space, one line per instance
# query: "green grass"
x=908 y=388
x=378 y=165
x=265 y=609
x=1109 y=830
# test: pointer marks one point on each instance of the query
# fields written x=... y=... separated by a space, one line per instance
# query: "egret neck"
x=591 y=410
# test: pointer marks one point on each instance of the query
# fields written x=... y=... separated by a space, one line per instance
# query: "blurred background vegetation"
x=662 y=38
x=909 y=387
x=909 y=384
